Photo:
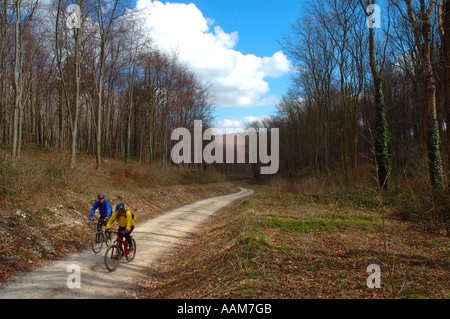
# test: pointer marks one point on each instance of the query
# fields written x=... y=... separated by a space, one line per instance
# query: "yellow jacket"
x=124 y=219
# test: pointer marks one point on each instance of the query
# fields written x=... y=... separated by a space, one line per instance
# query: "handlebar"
x=115 y=232
x=96 y=219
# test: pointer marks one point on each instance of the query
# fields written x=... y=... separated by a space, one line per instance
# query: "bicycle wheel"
x=97 y=242
x=131 y=256
x=113 y=255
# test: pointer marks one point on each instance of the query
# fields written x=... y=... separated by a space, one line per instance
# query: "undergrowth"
x=409 y=197
x=283 y=243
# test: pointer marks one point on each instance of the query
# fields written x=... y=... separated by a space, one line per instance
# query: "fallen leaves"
x=247 y=255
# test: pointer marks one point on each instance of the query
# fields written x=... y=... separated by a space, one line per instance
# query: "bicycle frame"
x=120 y=244
x=103 y=239
x=100 y=227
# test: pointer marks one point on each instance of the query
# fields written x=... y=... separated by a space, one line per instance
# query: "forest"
x=370 y=98
x=366 y=93
x=84 y=76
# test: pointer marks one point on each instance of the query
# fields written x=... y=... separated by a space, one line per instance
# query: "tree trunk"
x=380 y=133
x=99 y=111
x=422 y=38
x=128 y=136
x=77 y=98
x=17 y=83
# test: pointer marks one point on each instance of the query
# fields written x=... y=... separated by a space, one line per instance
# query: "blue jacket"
x=105 y=209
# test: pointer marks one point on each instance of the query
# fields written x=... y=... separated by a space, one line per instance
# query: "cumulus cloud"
x=251 y=119
x=237 y=125
x=236 y=79
x=227 y=123
x=276 y=65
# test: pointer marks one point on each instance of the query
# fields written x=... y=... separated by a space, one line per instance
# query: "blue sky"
x=233 y=45
x=260 y=23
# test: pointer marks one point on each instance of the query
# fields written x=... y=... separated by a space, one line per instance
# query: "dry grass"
x=285 y=245
x=44 y=205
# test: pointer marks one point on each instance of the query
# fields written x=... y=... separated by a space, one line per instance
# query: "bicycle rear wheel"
x=113 y=255
x=97 y=242
x=131 y=256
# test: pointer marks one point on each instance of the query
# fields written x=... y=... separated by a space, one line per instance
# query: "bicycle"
x=116 y=251
x=100 y=237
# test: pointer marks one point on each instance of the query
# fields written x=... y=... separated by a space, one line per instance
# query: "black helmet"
x=120 y=207
x=101 y=196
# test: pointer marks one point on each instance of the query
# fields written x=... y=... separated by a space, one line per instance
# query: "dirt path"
x=154 y=240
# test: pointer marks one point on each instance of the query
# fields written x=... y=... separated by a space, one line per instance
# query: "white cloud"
x=250 y=119
x=237 y=125
x=277 y=65
x=236 y=79
x=227 y=123
x=228 y=40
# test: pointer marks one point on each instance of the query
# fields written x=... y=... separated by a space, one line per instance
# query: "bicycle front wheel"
x=113 y=255
x=97 y=242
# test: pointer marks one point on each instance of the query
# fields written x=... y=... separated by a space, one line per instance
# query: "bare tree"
x=106 y=14
x=76 y=33
x=420 y=20
x=312 y=50
x=3 y=66
x=19 y=31
x=381 y=127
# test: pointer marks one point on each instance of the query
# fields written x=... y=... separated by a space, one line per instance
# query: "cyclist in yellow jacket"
x=126 y=224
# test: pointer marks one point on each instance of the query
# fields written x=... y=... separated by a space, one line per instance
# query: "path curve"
x=154 y=239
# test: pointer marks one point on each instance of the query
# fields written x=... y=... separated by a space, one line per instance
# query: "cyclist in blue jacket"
x=104 y=209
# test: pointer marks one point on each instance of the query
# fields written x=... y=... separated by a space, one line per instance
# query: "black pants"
x=127 y=236
x=101 y=222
